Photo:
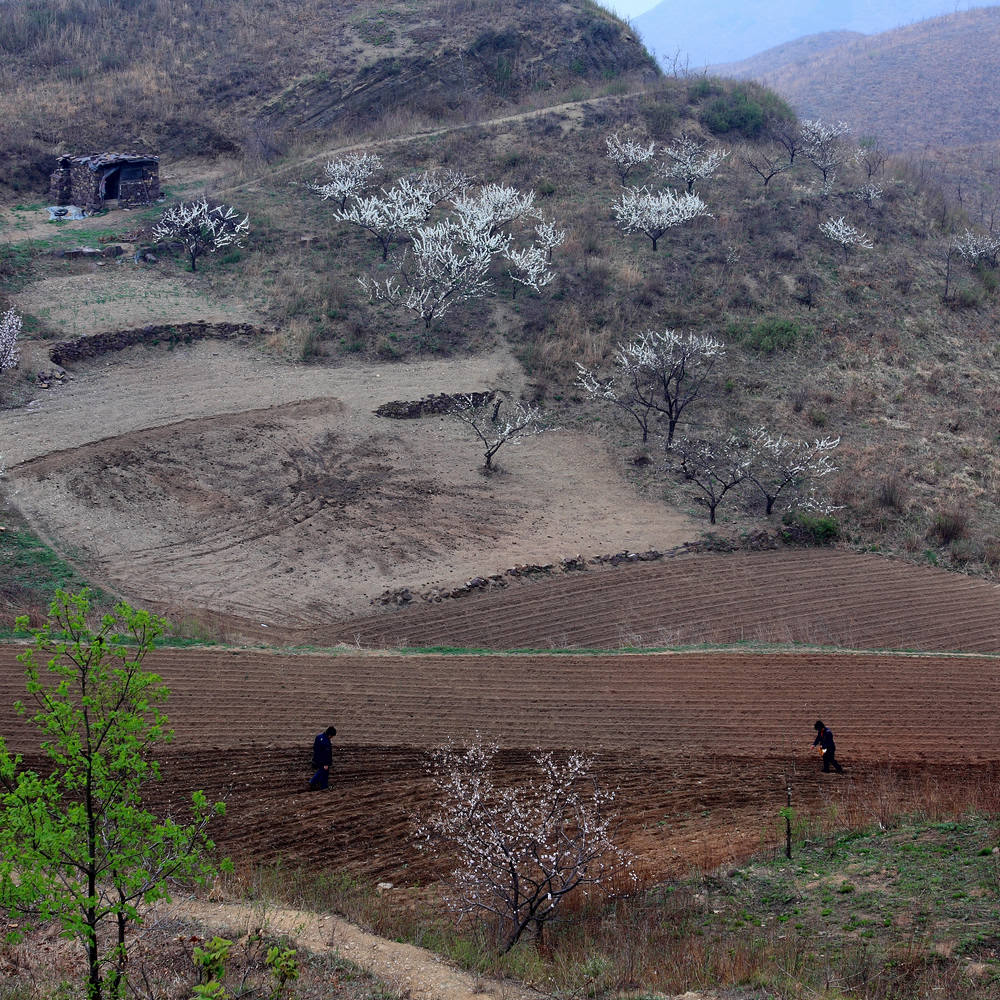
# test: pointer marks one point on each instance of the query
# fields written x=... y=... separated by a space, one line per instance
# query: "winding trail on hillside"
x=569 y=106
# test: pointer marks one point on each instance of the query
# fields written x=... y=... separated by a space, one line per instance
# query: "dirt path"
x=413 y=973
x=410 y=971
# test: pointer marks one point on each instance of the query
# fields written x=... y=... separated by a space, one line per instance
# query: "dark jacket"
x=825 y=739
x=322 y=751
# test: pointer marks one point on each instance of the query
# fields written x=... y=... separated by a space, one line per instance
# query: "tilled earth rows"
x=702 y=745
x=824 y=597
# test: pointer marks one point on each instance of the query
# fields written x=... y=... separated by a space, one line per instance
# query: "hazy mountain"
x=727 y=31
x=931 y=84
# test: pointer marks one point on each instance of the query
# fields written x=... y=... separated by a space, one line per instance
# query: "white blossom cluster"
x=654 y=212
x=691 y=160
x=202 y=228
x=520 y=849
x=845 y=234
x=10 y=330
x=628 y=153
x=869 y=193
x=787 y=468
x=822 y=144
x=348 y=177
x=974 y=247
x=450 y=261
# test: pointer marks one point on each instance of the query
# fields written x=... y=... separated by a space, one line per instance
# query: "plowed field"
x=701 y=744
x=821 y=597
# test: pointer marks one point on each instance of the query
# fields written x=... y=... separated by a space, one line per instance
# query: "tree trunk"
x=711 y=511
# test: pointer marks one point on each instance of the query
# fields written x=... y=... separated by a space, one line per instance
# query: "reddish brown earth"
x=702 y=745
x=820 y=597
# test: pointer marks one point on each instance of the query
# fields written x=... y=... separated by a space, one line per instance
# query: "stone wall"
x=69 y=351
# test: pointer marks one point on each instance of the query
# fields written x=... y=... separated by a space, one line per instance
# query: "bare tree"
x=348 y=177
x=823 y=146
x=10 y=330
x=691 y=160
x=766 y=163
x=787 y=133
x=870 y=156
x=653 y=213
x=848 y=236
x=627 y=153
x=787 y=469
x=714 y=466
x=520 y=850
x=496 y=421
x=202 y=228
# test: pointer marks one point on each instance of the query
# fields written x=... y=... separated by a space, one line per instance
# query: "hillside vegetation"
x=205 y=77
x=892 y=349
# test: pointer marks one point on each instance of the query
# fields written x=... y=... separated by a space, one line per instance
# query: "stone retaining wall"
x=68 y=351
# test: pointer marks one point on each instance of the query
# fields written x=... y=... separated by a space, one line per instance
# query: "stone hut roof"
x=98 y=160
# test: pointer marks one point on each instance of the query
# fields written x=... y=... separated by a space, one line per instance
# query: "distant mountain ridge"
x=700 y=35
x=931 y=84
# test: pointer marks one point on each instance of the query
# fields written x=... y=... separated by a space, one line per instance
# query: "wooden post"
x=788 y=823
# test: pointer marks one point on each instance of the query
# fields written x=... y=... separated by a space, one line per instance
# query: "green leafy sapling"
x=284 y=967
x=77 y=844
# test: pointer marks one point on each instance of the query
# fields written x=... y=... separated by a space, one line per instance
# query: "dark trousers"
x=829 y=760
x=321 y=779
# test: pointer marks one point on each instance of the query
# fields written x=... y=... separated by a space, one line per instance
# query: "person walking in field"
x=322 y=759
x=824 y=740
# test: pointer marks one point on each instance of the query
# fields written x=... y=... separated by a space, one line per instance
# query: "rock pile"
x=442 y=402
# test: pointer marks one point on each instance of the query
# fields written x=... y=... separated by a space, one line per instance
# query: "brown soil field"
x=215 y=477
x=819 y=597
x=701 y=745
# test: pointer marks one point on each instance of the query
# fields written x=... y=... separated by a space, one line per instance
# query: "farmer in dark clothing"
x=322 y=758
x=824 y=739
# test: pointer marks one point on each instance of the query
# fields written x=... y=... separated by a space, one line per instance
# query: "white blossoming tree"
x=690 y=161
x=788 y=470
x=714 y=466
x=977 y=248
x=202 y=228
x=823 y=146
x=348 y=177
x=393 y=214
x=451 y=260
x=520 y=850
x=497 y=421
x=10 y=330
x=657 y=374
x=847 y=235
x=627 y=153
x=654 y=212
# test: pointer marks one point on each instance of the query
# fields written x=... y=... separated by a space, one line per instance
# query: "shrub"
x=744 y=111
x=950 y=525
x=767 y=335
x=801 y=528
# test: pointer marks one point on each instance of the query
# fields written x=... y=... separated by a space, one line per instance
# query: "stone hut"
x=90 y=181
